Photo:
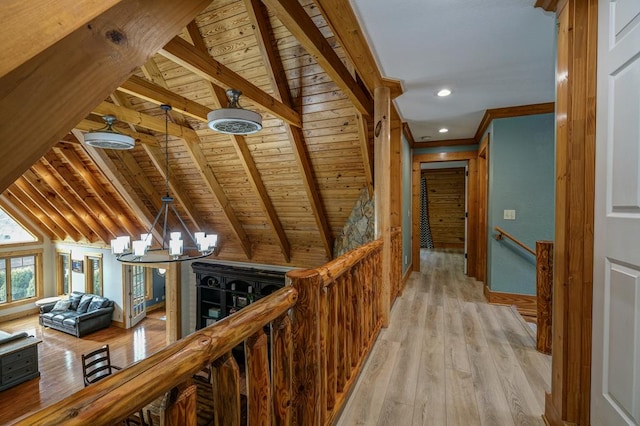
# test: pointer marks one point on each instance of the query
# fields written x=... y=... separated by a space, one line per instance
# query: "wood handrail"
x=116 y=396
x=501 y=233
x=334 y=269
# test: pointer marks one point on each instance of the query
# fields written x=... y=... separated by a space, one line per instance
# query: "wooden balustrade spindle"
x=307 y=383
x=544 y=285
x=348 y=325
x=342 y=320
x=258 y=386
x=332 y=346
x=225 y=381
x=282 y=370
x=356 y=300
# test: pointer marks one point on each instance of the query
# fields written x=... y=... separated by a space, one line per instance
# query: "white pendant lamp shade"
x=234 y=120
x=108 y=137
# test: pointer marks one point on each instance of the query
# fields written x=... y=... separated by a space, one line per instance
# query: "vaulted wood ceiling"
x=279 y=196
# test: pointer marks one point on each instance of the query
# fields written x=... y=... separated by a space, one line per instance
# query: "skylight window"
x=12 y=232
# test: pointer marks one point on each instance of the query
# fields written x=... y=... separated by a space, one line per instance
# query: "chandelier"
x=171 y=247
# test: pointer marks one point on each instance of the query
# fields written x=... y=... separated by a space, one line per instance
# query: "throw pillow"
x=96 y=303
x=85 y=301
x=61 y=305
x=75 y=300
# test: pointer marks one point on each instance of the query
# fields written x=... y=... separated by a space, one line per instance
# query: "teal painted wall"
x=521 y=178
x=406 y=204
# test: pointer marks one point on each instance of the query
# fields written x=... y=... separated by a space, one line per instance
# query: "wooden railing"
x=396 y=264
x=544 y=288
x=323 y=326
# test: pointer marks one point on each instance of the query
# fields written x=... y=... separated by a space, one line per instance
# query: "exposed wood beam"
x=514 y=111
x=449 y=142
x=25 y=187
x=40 y=27
x=240 y=145
x=59 y=204
x=365 y=148
x=151 y=92
x=34 y=213
x=296 y=137
x=298 y=22
x=345 y=26
x=100 y=209
x=79 y=71
x=19 y=216
x=72 y=158
x=200 y=63
x=8 y=200
x=101 y=228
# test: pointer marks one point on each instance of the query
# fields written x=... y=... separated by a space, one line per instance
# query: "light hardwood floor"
x=59 y=357
x=449 y=358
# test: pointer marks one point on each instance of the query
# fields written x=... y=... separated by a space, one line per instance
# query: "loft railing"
x=323 y=324
x=544 y=287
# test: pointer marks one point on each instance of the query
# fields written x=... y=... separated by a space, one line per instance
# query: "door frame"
x=415 y=195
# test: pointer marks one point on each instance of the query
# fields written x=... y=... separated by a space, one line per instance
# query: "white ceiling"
x=489 y=53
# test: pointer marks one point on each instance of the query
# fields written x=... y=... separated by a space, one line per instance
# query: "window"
x=20 y=276
x=63 y=272
x=93 y=274
x=12 y=232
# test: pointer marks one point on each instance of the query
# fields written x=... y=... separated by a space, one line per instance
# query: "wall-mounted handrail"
x=501 y=233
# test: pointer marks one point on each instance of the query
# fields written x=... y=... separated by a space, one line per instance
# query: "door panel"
x=615 y=395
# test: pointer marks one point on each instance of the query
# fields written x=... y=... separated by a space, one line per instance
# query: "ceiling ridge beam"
x=272 y=59
x=79 y=71
x=183 y=53
x=242 y=150
x=295 y=18
x=82 y=210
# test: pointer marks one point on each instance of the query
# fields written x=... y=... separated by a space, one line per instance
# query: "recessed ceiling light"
x=444 y=92
x=424 y=138
x=443 y=130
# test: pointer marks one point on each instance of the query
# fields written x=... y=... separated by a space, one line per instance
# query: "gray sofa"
x=81 y=314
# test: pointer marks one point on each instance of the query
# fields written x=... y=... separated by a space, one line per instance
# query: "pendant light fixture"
x=171 y=247
x=108 y=137
x=234 y=120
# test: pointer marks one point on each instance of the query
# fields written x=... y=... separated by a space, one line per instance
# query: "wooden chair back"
x=96 y=365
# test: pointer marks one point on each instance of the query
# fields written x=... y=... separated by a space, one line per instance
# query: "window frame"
x=60 y=272
x=26 y=225
x=88 y=273
x=39 y=273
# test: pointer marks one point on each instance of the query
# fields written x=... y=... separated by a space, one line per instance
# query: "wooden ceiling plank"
x=58 y=203
x=200 y=63
x=34 y=213
x=45 y=206
x=59 y=172
x=72 y=158
x=345 y=26
x=294 y=134
x=248 y=164
x=151 y=92
x=79 y=71
x=298 y=22
x=72 y=199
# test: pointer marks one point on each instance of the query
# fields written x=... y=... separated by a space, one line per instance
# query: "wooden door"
x=483 y=194
x=615 y=368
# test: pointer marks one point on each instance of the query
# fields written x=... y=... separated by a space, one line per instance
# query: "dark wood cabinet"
x=225 y=289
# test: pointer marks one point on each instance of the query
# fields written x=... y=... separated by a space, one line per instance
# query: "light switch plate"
x=510 y=215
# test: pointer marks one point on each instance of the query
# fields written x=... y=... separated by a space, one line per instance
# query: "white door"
x=136 y=284
x=615 y=394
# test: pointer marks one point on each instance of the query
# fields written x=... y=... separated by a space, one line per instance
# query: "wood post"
x=225 y=381
x=544 y=290
x=307 y=383
x=258 y=386
x=382 y=141
x=282 y=370
x=173 y=288
x=184 y=410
